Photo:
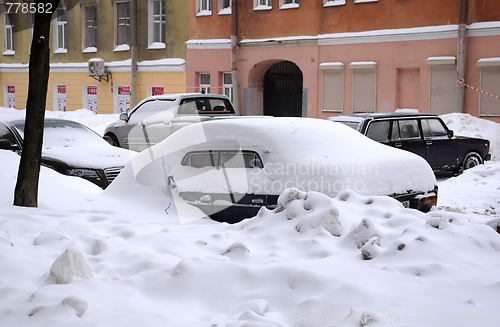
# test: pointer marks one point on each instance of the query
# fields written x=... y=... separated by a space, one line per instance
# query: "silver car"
x=156 y=117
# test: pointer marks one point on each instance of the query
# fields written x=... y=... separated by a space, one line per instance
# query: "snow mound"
x=67 y=266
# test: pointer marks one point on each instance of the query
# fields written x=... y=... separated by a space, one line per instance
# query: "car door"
x=440 y=149
x=405 y=135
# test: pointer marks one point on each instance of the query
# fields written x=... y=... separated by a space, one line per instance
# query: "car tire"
x=112 y=139
x=472 y=159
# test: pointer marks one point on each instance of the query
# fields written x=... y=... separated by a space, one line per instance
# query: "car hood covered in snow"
x=90 y=156
x=310 y=154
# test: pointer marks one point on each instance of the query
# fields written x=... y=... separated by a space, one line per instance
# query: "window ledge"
x=9 y=53
x=290 y=6
x=89 y=50
x=157 y=46
x=334 y=3
x=364 y=1
x=61 y=50
x=204 y=13
x=261 y=7
x=225 y=11
x=122 y=47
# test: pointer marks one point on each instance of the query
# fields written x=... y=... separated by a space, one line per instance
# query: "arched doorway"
x=283 y=84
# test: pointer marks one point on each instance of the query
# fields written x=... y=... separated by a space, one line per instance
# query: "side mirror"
x=124 y=116
x=171 y=181
x=7 y=145
x=450 y=133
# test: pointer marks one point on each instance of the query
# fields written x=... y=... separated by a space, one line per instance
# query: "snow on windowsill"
x=363 y=1
x=262 y=7
x=9 y=53
x=290 y=6
x=204 y=13
x=225 y=11
x=157 y=46
x=122 y=47
x=61 y=50
x=334 y=3
x=89 y=50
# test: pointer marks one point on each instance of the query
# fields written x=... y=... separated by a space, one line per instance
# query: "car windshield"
x=351 y=124
x=64 y=134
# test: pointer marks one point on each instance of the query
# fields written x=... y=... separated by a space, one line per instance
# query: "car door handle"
x=397 y=145
x=428 y=142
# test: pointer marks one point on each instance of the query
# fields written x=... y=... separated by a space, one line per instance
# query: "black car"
x=424 y=134
x=71 y=149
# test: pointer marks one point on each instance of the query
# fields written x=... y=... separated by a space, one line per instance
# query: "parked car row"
x=71 y=149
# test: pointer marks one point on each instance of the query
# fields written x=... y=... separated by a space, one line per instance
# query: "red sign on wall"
x=124 y=90
x=91 y=90
x=61 y=89
x=157 y=90
x=11 y=89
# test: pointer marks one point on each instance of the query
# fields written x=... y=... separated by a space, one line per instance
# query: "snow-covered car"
x=231 y=168
x=71 y=149
x=156 y=117
x=423 y=134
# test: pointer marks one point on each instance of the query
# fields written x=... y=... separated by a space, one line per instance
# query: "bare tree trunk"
x=26 y=192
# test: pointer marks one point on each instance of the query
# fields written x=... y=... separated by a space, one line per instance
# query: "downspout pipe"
x=461 y=56
x=133 y=50
x=234 y=55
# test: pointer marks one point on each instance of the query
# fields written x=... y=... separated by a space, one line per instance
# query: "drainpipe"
x=462 y=30
x=133 y=50
x=234 y=52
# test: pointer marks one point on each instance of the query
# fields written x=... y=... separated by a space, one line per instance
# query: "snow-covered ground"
x=120 y=257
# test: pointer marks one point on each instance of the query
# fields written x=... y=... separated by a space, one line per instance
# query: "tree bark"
x=26 y=191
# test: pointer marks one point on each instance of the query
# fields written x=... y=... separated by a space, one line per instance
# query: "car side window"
x=378 y=131
x=432 y=127
x=148 y=109
x=6 y=134
x=408 y=129
x=219 y=159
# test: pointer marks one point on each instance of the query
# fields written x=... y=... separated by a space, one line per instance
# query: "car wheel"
x=472 y=159
x=112 y=139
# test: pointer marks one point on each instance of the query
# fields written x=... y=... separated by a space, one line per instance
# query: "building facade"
x=319 y=58
x=96 y=35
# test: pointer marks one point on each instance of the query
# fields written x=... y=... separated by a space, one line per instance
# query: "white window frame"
x=333 y=3
x=118 y=22
x=8 y=30
x=289 y=4
x=262 y=4
x=61 y=27
x=490 y=76
x=227 y=88
x=153 y=21
x=9 y=97
x=86 y=47
x=60 y=99
x=205 y=87
x=122 y=101
x=90 y=99
x=203 y=7
x=224 y=10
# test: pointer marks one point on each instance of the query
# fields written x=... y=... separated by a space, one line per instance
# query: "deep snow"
x=120 y=257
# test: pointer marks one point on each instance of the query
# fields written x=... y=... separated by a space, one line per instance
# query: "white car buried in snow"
x=231 y=168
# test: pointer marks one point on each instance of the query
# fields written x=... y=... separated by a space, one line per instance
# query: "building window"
x=203 y=7
x=287 y=4
x=333 y=86
x=60 y=98
x=157 y=24
x=10 y=96
x=8 y=34
x=262 y=4
x=224 y=7
x=442 y=84
x=122 y=99
x=90 y=97
x=122 y=26
x=205 y=83
x=90 y=29
x=364 y=86
x=227 y=85
x=332 y=3
x=155 y=90
x=489 y=105
x=61 y=31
